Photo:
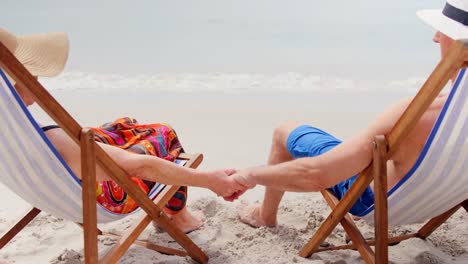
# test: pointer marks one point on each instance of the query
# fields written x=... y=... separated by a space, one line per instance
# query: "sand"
x=231 y=131
x=226 y=240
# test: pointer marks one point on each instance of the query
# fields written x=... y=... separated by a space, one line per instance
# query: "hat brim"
x=43 y=54
x=438 y=21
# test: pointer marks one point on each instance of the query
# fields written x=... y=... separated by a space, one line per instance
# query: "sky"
x=349 y=38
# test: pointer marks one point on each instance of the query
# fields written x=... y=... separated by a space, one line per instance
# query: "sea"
x=236 y=47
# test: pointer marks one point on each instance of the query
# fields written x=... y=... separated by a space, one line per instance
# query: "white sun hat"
x=42 y=54
x=452 y=20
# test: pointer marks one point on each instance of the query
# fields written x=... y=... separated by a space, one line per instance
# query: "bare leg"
x=265 y=214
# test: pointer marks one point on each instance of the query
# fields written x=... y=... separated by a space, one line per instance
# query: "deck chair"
x=436 y=186
x=33 y=169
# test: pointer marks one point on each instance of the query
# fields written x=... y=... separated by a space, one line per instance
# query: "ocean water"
x=229 y=83
x=235 y=46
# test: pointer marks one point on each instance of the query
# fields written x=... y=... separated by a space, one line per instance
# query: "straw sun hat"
x=42 y=54
x=452 y=20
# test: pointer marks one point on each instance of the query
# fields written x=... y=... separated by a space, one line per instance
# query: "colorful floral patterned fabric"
x=148 y=139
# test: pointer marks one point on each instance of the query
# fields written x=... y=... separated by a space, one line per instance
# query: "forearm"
x=296 y=176
x=158 y=170
x=155 y=169
x=314 y=173
x=142 y=166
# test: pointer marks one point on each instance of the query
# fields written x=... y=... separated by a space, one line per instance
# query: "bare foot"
x=356 y=218
x=251 y=215
x=186 y=221
x=189 y=221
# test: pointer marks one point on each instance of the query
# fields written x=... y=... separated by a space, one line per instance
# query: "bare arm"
x=317 y=173
x=320 y=172
x=145 y=167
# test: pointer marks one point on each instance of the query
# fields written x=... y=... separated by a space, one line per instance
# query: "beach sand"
x=231 y=131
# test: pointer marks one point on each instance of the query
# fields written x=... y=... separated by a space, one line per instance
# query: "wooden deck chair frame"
x=90 y=155
x=384 y=146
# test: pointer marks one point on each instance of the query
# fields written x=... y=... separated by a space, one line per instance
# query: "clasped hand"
x=229 y=184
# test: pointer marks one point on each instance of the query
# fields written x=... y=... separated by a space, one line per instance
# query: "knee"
x=282 y=131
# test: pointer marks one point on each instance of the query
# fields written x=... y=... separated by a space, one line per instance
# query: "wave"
x=290 y=82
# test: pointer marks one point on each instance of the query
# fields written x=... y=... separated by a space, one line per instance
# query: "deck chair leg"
x=125 y=241
x=435 y=222
x=88 y=172
x=338 y=213
x=129 y=238
x=16 y=228
x=352 y=230
x=380 y=199
x=99 y=231
x=119 y=249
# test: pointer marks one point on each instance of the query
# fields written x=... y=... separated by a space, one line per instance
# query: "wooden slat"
x=162 y=249
x=351 y=229
x=391 y=241
x=380 y=199
x=148 y=206
x=141 y=223
x=29 y=83
x=149 y=245
x=193 y=161
x=121 y=246
x=465 y=55
x=23 y=78
x=88 y=186
x=18 y=226
x=435 y=222
x=99 y=231
x=338 y=213
x=17 y=71
x=447 y=67
x=465 y=205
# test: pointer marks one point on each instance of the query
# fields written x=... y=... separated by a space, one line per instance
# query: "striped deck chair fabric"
x=434 y=188
x=439 y=179
x=31 y=167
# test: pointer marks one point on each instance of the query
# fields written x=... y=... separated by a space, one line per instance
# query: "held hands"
x=229 y=184
x=242 y=178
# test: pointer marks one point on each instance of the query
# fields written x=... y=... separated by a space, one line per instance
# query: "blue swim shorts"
x=308 y=141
